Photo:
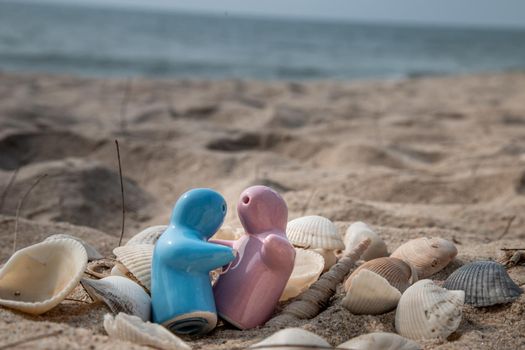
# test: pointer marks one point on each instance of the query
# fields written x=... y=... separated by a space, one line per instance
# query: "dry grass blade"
x=30 y=339
x=122 y=194
x=7 y=187
x=509 y=223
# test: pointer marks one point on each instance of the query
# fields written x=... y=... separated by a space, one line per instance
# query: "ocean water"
x=122 y=42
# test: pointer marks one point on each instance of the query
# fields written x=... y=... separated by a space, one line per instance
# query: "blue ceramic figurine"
x=181 y=291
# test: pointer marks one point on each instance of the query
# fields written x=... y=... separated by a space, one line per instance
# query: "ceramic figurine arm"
x=205 y=256
x=276 y=251
x=222 y=242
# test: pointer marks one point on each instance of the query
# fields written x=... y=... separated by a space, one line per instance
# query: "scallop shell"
x=135 y=263
x=149 y=235
x=370 y=294
x=397 y=272
x=313 y=232
x=227 y=232
x=292 y=339
x=37 y=278
x=307 y=268
x=120 y=294
x=91 y=251
x=132 y=329
x=426 y=255
x=427 y=311
x=485 y=283
x=359 y=230
x=380 y=341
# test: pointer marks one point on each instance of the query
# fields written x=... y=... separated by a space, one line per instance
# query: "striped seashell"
x=135 y=263
x=149 y=235
x=485 y=283
x=308 y=266
x=37 y=278
x=91 y=251
x=359 y=230
x=292 y=339
x=380 y=341
x=132 y=329
x=227 y=232
x=427 y=311
x=426 y=255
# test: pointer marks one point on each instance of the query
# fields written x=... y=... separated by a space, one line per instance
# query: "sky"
x=480 y=13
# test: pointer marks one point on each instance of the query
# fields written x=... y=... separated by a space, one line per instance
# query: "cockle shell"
x=370 y=294
x=37 y=278
x=149 y=235
x=359 y=230
x=307 y=268
x=227 y=232
x=132 y=329
x=292 y=339
x=426 y=255
x=427 y=311
x=380 y=341
x=120 y=294
x=135 y=263
x=485 y=283
x=91 y=251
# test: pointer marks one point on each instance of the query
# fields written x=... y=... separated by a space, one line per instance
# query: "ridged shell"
x=137 y=260
x=37 y=278
x=292 y=339
x=120 y=294
x=397 y=272
x=91 y=251
x=228 y=233
x=132 y=329
x=307 y=268
x=149 y=235
x=380 y=341
x=359 y=230
x=427 y=311
x=313 y=232
x=426 y=255
x=370 y=294
x=485 y=283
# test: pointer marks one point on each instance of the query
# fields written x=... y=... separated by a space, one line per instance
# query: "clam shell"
x=227 y=232
x=137 y=261
x=120 y=294
x=397 y=272
x=427 y=311
x=132 y=329
x=314 y=232
x=37 y=278
x=370 y=294
x=292 y=339
x=380 y=341
x=359 y=230
x=485 y=283
x=149 y=235
x=91 y=251
x=426 y=255
x=307 y=268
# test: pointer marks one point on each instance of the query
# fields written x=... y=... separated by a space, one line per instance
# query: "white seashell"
x=135 y=263
x=120 y=294
x=228 y=233
x=307 y=268
x=355 y=234
x=132 y=329
x=427 y=311
x=370 y=294
x=149 y=235
x=37 y=278
x=380 y=341
x=292 y=339
x=91 y=251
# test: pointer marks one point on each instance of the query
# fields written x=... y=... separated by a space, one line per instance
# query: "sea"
x=102 y=42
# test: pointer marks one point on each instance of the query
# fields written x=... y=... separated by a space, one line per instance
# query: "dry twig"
x=122 y=195
x=7 y=187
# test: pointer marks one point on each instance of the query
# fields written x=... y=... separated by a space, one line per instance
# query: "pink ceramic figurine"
x=248 y=292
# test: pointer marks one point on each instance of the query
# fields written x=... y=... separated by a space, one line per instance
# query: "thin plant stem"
x=122 y=194
x=6 y=188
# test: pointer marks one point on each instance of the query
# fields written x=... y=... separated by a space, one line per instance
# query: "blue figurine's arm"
x=276 y=251
x=222 y=242
x=205 y=256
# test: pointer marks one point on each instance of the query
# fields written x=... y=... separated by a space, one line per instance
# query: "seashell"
x=427 y=311
x=37 y=278
x=380 y=341
x=292 y=339
x=149 y=235
x=91 y=251
x=485 y=283
x=227 y=232
x=426 y=255
x=132 y=329
x=100 y=268
x=135 y=263
x=307 y=268
x=370 y=294
x=398 y=273
x=359 y=230
x=120 y=294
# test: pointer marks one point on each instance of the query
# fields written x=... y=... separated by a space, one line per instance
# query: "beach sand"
x=435 y=156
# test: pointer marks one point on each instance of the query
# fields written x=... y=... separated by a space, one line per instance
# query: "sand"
x=437 y=156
